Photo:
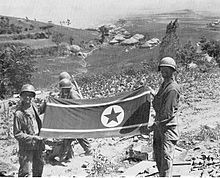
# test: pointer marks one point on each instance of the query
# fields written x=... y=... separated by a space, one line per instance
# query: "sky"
x=91 y=13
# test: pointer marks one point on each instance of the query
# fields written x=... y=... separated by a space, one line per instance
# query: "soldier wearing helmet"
x=64 y=75
x=165 y=104
x=26 y=128
x=68 y=91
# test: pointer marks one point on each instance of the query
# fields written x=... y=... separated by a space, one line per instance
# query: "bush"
x=16 y=69
x=187 y=54
x=212 y=48
x=57 y=38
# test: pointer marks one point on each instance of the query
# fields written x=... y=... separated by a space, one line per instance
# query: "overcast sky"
x=87 y=13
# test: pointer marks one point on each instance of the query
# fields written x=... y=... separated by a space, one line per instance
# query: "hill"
x=106 y=57
x=31 y=27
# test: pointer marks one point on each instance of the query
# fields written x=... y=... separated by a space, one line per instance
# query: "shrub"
x=212 y=48
x=57 y=38
x=187 y=54
x=16 y=69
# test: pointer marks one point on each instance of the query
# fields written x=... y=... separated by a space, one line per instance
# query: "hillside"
x=32 y=26
x=106 y=57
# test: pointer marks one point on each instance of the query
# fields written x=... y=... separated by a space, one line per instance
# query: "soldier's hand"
x=152 y=91
x=38 y=138
x=145 y=130
x=48 y=141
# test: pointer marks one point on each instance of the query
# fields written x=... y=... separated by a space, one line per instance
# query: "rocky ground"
x=197 y=153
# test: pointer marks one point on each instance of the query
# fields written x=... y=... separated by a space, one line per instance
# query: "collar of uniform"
x=167 y=82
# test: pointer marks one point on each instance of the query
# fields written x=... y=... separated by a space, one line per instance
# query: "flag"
x=120 y=115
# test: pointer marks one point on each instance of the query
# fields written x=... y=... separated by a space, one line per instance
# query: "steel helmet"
x=28 y=88
x=64 y=75
x=167 y=61
x=65 y=83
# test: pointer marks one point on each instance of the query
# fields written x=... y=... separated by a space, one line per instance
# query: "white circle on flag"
x=112 y=116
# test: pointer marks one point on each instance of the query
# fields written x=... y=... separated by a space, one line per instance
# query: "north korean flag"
x=120 y=115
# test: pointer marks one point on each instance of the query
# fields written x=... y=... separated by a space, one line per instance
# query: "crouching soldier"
x=27 y=125
x=68 y=91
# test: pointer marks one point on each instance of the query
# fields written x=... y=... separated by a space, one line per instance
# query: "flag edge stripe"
x=91 y=130
x=96 y=105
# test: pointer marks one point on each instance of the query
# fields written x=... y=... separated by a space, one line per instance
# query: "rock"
x=146 y=45
x=6 y=169
x=119 y=38
x=74 y=48
x=126 y=161
x=138 y=36
x=121 y=169
x=137 y=153
x=91 y=45
x=84 y=166
x=130 y=41
x=135 y=139
x=149 y=166
x=113 y=41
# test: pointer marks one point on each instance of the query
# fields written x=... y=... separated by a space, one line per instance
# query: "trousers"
x=65 y=150
x=31 y=163
x=164 y=153
x=82 y=141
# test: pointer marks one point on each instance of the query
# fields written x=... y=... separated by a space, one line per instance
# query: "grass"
x=115 y=58
x=35 y=44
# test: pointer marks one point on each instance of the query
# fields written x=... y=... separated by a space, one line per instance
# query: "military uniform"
x=166 y=133
x=27 y=124
x=66 y=149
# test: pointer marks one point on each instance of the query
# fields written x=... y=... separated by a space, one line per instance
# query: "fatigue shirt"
x=24 y=127
x=165 y=104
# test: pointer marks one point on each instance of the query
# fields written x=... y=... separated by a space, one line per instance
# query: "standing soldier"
x=165 y=104
x=27 y=125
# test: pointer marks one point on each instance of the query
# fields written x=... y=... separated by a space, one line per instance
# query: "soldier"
x=68 y=92
x=75 y=86
x=26 y=127
x=165 y=104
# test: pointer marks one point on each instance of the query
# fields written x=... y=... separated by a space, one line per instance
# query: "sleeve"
x=75 y=95
x=170 y=106
x=19 y=134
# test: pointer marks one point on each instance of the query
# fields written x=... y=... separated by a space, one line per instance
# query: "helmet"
x=64 y=75
x=28 y=88
x=167 y=61
x=65 y=83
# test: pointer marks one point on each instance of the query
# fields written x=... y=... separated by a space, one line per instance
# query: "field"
x=198 y=114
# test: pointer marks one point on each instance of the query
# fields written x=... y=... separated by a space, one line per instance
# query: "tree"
x=16 y=69
x=68 y=22
x=121 y=22
x=170 y=42
x=104 y=32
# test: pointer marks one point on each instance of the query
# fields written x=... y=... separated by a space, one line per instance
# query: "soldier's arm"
x=170 y=107
x=42 y=107
x=75 y=95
